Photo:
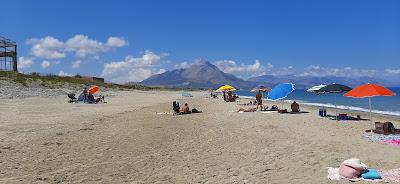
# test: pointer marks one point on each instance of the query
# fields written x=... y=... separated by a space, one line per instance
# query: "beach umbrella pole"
x=336 y=109
x=370 y=111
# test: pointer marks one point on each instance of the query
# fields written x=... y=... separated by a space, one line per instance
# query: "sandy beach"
x=131 y=140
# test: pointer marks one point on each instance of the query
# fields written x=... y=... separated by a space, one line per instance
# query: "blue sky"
x=131 y=40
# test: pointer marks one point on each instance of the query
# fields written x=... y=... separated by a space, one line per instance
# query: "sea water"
x=382 y=105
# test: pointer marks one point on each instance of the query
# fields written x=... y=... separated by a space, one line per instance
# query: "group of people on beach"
x=229 y=96
x=86 y=97
x=184 y=109
x=295 y=107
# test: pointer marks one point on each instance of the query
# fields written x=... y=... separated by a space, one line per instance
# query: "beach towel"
x=395 y=142
x=382 y=137
x=163 y=113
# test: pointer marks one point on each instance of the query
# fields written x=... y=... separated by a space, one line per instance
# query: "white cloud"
x=243 y=70
x=182 y=65
x=289 y=70
x=160 y=71
x=81 y=45
x=24 y=62
x=315 y=71
x=64 y=74
x=45 y=64
x=116 y=42
x=149 y=58
x=47 y=48
x=76 y=64
x=133 y=69
x=393 y=71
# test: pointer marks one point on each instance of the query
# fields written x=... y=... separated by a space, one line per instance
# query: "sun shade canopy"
x=226 y=87
x=94 y=89
x=369 y=90
x=333 y=88
x=315 y=89
x=261 y=88
x=281 y=91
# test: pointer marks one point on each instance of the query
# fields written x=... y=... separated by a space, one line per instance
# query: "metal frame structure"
x=8 y=55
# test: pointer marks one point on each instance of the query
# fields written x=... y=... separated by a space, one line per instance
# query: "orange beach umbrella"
x=94 y=89
x=369 y=91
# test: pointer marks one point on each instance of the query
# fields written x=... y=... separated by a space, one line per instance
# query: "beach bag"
x=349 y=172
x=352 y=168
x=371 y=174
x=389 y=127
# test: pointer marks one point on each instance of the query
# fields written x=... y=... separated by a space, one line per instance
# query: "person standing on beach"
x=259 y=99
x=224 y=95
x=85 y=94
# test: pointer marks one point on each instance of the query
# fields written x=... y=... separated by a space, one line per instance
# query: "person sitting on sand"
x=230 y=96
x=295 y=107
x=185 y=109
x=235 y=97
x=247 y=110
x=90 y=98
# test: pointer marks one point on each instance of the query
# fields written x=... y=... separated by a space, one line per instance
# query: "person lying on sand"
x=274 y=108
x=247 y=110
x=250 y=103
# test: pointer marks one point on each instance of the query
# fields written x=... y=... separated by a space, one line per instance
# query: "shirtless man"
x=185 y=109
x=259 y=99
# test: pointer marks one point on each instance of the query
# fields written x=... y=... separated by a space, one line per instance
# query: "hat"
x=355 y=163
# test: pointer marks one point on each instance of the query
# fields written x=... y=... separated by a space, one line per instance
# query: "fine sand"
x=46 y=140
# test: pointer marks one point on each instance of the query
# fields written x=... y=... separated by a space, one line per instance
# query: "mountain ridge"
x=203 y=74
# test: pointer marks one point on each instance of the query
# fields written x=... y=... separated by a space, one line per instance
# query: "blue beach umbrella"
x=280 y=91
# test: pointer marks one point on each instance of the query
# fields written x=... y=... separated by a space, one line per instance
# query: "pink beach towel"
x=395 y=142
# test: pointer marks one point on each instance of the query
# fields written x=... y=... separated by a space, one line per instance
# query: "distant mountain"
x=304 y=82
x=201 y=74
